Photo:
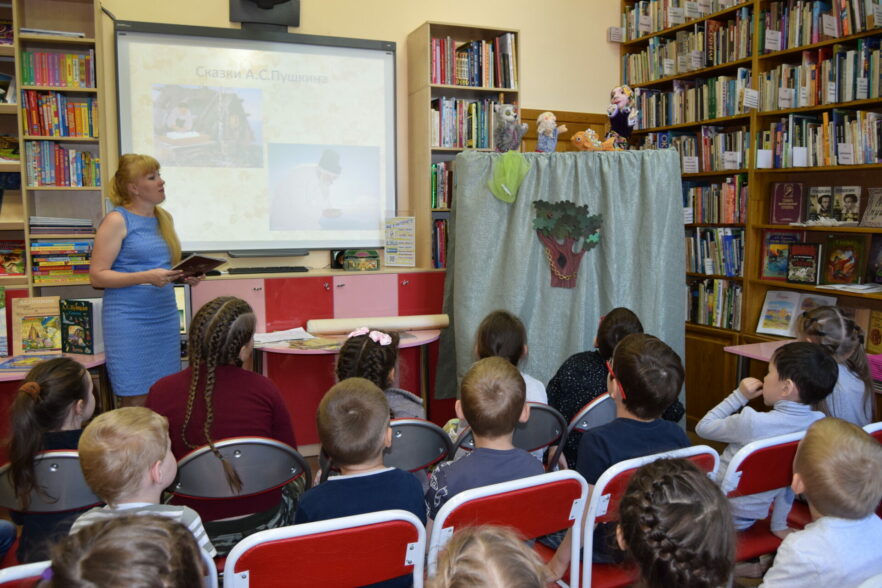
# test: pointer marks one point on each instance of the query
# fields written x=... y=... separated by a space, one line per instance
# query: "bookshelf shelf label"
x=692 y=10
x=861 y=89
x=704 y=6
x=751 y=98
x=668 y=67
x=785 y=97
x=845 y=154
x=690 y=164
x=764 y=158
x=831 y=92
x=800 y=157
x=773 y=40
x=803 y=95
x=731 y=159
x=877 y=15
x=828 y=24
x=697 y=58
x=675 y=14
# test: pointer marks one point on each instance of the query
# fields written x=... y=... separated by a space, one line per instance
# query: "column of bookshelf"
x=456 y=73
x=57 y=52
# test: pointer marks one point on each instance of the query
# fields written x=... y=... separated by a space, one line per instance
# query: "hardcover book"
x=782 y=309
x=873 y=344
x=803 y=263
x=23 y=362
x=874 y=260
x=820 y=203
x=788 y=203
x=81 y=327
x=873 y=212
x=844 y=259
x=847 y=203
x=775 y=248
x=196 y=264
x=36 y=325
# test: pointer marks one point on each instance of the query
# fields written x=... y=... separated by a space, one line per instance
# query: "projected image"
x=317 y=187
x=199 y=126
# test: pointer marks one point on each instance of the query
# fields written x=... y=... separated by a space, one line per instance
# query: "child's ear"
x=156 y=473
x=457 y=407
x=525 y=352
x=525 y=413
x=387 y=439
x=620 y=539
x=797 y=485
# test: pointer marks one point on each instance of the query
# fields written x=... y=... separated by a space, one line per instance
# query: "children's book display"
x=844 y=259
x=776 y=246
x=81 y=326
x=873 y=212
x=36 y=325
x=803 y=263
x=782 y=308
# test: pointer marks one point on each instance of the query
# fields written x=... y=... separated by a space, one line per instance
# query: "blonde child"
x=373 y=355
x=48 y=412
x=127 y=461
x=838 y=467
x=852 y=397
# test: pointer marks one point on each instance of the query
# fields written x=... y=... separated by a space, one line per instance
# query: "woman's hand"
x=193 y=280
x=160 y=277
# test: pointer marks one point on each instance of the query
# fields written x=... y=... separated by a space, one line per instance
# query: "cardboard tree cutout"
x=567 y=232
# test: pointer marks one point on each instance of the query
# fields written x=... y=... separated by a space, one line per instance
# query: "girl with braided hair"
x=676 y=523
x=852 y=397
x=47 y=413
x=215 y=398
x=373 y=355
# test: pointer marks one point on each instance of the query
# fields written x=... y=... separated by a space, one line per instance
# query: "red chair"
x=875 y=430
x=603 y=507
x=23 y=575
x=599 y=411
x=349 y=551
x=760 y=466
x=533 y=506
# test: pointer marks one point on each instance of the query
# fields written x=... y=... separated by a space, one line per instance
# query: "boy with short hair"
x=838 y=467
x=644 y=379
x=126 y=458
x=493 y=401
x=800 y=375
x=353 y=426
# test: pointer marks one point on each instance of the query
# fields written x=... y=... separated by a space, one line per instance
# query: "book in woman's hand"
x=196 y=265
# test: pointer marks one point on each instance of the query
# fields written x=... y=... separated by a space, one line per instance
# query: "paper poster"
x=400 y=247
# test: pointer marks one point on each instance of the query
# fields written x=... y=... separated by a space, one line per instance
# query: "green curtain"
x=495 y=259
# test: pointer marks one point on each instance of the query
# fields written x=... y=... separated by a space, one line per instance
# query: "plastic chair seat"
x=799 y=515
x=756 y=541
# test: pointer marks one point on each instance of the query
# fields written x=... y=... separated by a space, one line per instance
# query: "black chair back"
x=60 y=479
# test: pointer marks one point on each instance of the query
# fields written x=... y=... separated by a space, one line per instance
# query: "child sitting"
x=502 y=334
x=487 y=557
x=800 y=374
x=135 y=551
x=852 y=397
x=353 y=426
x=492 y=400
x=373 y=355
x=838 y=467
x=127 y=461
x=644 y=379
x=676 y=524
x=48 y=413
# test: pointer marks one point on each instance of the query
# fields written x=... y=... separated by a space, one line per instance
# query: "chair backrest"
x=23 y=575
x=262 y=464
x=761 y=465
x=609 y=490
x=351 y=551
x=59 y=476
x=599 y=411
x=416 y=445
x=533 y=506
x=875 y=429
x=545 y=426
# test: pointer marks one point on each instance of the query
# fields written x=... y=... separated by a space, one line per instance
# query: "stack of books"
x=45 y=225
x=57 y=261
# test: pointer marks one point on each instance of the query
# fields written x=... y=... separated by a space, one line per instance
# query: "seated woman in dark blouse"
x=582 y=377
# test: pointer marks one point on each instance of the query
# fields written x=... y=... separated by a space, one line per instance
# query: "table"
x=758 y=351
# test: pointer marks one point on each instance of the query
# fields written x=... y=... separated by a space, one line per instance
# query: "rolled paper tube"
x=342 y=326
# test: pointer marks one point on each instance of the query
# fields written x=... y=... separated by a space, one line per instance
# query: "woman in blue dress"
x=135 y=249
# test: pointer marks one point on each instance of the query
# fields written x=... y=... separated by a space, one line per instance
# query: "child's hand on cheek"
x=751 y=388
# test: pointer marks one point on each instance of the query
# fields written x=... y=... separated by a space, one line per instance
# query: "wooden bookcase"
x=85 y=202
x=710 y=372
x=422 y=91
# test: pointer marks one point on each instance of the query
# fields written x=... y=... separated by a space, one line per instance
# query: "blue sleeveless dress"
x=141 y=327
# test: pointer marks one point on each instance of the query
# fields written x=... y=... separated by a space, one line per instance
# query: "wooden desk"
x=316 y=372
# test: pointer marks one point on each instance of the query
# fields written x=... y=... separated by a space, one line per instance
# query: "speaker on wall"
x=285 y=13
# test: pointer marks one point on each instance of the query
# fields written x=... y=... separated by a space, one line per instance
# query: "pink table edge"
x=419 y=338
x=759 y=351
x=88 y=361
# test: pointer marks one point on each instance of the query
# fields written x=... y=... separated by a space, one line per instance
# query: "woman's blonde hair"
x=488 y=557
x=131 y=167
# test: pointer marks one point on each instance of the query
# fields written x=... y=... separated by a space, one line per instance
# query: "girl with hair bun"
x=676 y=524
x=47 y=413
x=215 y=398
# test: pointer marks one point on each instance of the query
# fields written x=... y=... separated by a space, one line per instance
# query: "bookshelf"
x=455 y=75
x=690 y=64
x=59 y=127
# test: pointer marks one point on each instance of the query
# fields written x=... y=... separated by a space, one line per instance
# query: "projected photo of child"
x=197 y=126
x=317 y=187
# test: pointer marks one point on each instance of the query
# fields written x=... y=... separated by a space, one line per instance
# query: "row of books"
x=439 y=243
x=50 y=164
x=41 y=225
x=793 y=203
x=54 y=261
x=708 y=202
x=462 y=123
x=59 y=69
x=53 y=114
x=829 y=75
x=45 y=326
x=652 y=16
x=715 y=251
x=12 y=258
x=442 y=184
x=786 y=25
x=807 y=257
x=710 y=148
x=710 y=43
x=714 y=302
x=838 y=137
x=692 y=100
x=485 y=64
